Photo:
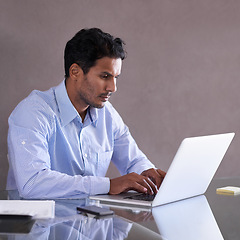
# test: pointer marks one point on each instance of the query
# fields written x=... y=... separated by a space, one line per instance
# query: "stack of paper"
x=228 y=190
x=36 y=209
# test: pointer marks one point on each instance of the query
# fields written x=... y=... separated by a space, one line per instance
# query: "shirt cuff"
x=141 y=168
x=99 y=185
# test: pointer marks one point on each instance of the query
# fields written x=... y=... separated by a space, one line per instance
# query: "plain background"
x=180 y=78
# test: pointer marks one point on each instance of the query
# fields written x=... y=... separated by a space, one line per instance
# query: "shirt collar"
x=93 y=115
x=66 y=108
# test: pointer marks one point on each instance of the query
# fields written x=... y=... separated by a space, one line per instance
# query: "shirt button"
x=85 y=155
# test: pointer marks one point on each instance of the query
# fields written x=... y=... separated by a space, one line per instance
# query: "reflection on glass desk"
x=211 y=217
x=187 y=219
x=16 y=224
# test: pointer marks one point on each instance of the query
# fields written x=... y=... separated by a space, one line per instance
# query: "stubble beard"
x=89 y=102
x=86 y=97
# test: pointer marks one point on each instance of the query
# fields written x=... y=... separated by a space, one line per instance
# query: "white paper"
x=36 y=209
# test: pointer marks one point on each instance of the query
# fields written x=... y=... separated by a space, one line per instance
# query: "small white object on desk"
x=37 y=209
x=229 y=190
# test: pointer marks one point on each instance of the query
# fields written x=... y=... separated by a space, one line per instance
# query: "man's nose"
x=112 y=85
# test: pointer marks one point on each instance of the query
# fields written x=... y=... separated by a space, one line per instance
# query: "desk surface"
x=210 y=216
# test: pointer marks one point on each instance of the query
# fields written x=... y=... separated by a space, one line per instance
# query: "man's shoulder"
x=36 y=101
x=33 y=114
x=113 y=113
x=109 y=109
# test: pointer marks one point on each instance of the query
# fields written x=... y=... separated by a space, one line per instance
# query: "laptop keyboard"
x=142 y=196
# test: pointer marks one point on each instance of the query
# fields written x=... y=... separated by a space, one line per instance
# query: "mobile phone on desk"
x=95 y=210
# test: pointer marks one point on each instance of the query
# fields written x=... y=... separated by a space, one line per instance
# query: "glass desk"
x=210 y=216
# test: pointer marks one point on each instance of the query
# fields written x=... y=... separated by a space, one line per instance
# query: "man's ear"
x=75 y=71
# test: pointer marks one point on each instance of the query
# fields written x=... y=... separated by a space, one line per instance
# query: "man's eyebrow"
x=107 y=73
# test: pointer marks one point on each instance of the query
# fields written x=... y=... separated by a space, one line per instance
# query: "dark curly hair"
x=89 y=45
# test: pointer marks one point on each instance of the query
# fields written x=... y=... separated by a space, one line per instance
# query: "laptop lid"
x=189 y=174
x=193 y=167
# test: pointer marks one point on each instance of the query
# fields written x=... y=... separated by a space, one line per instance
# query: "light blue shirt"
x=52 y=154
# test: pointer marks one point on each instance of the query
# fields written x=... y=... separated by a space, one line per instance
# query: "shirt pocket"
x=103 y=161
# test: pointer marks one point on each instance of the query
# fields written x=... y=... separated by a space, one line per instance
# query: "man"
x=61 y=141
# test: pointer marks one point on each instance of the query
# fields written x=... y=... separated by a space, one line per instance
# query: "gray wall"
x=180 y=79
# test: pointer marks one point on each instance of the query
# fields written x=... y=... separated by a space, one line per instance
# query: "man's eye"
x=104 y=76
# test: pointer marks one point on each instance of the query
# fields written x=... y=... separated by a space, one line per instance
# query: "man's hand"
x=156 y=176
x=132 y=181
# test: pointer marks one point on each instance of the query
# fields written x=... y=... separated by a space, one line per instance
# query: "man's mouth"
x=105 y=97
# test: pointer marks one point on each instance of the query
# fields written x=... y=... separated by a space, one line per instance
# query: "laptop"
x=189 y=174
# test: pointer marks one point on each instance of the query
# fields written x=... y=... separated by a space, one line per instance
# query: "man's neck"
x=83 y=115
x=82 y=110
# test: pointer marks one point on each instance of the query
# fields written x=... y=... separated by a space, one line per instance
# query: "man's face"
x=99 y=83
